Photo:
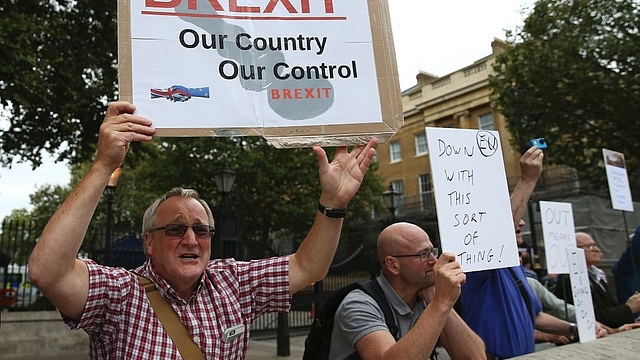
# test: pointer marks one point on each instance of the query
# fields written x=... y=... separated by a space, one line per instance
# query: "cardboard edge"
x=125 y=77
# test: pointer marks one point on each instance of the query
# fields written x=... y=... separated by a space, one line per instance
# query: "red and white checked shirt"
x=122 y=325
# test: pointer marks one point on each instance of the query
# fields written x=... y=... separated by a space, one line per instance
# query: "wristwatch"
x=332 y=213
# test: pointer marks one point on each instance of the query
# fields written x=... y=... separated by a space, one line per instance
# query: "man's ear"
x=392 y=265
x=148 y=240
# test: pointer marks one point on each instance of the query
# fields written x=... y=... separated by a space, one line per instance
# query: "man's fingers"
x=119 y=107
x=370 y=145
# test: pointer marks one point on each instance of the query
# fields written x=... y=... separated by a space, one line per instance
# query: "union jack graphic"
x=179 y=93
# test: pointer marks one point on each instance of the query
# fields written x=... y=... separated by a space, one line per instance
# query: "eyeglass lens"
x=178 y=230
x=425 y=255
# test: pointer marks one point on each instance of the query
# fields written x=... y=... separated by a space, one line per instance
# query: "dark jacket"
x=626 y=270
x=605 y=303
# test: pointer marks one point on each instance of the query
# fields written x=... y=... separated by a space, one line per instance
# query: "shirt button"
x=196 y=338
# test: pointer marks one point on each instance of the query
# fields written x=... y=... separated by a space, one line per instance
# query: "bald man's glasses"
x=424 y=256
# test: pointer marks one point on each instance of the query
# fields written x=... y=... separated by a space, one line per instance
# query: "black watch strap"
x=332 y=213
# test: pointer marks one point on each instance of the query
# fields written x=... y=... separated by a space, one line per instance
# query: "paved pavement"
x=259 y=349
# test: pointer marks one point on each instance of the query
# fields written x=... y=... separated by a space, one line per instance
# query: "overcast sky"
x=438 y=37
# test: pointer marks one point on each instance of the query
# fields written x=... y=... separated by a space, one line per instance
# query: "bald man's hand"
x=449 y=279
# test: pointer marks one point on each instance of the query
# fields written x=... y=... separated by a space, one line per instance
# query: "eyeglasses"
x=591 y=247
x=424 y=256
x=178 y=230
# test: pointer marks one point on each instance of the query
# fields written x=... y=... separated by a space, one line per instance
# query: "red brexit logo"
x=296 y=94
x=232 y=6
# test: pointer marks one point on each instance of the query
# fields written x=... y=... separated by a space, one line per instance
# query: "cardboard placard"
x=559 y=232
x=579 y=277
x=297 y=72
x=472 y=198
x=618 y=180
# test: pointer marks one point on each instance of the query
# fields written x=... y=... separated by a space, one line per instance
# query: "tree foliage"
x=573 y=77
x=274 y=194
x=275 y=190
x=58 y=71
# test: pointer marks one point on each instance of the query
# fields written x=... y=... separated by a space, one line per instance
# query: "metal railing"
x=17 y=239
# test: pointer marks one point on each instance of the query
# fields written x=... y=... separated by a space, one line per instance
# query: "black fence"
x=18 y=238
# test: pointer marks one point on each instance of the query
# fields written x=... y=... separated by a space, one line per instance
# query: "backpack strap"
x=170 y=321
x=372 y=288
x=523 y=292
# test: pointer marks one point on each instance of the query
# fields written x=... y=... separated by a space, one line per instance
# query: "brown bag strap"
x=171 y=322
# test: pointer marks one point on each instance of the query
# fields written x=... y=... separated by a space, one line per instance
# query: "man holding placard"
x=605 y=304
x=215 y=300
x=498 y=304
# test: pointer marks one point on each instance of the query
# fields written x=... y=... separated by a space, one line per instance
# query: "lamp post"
x=110 y=190
x=224 y=178
x=391 y=199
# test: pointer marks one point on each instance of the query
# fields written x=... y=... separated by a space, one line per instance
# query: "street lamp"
x=391 y=199
x=110 y=190
x=224 y=182
x=224 y=179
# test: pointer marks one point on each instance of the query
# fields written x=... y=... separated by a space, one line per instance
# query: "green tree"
x=58 y=71
x=18 y=236
x=275 y=190
x=46 y=200
x=274 y=194
x=573 y=77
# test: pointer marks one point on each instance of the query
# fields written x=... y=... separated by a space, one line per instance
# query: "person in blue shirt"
x=626 y=271
x=498 y=304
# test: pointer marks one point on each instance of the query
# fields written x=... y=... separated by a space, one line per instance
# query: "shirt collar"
x=597 y=273
x=394 y=299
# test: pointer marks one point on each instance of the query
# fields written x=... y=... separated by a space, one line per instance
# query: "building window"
x=395 y=151
x=485 y=122
x=426 y=192
x=421 y=144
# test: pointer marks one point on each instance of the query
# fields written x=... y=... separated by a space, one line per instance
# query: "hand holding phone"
x=541 y=143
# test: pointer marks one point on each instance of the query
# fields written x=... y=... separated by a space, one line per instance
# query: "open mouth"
x=188 y=256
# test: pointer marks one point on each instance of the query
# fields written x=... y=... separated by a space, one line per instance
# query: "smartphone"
x=540 y=143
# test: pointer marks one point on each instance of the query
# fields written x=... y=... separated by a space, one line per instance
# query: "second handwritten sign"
x=472 y=198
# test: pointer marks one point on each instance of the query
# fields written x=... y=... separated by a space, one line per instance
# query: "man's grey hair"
x=151 y=213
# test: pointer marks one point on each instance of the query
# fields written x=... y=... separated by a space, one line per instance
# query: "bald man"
x=605 y=304
x=421 y=290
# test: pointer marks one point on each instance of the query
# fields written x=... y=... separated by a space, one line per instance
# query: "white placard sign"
x=578 y=275
x=472 y=198
x=281 y=69
x=618 y=180
x=559 y=232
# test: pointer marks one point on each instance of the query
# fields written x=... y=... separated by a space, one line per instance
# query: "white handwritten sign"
x=558 y=232
x=585 y=316
x=618 y=180
x=472 y=198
